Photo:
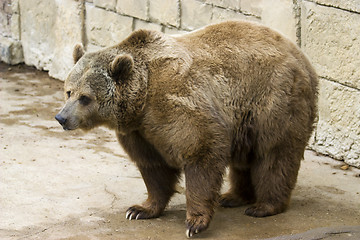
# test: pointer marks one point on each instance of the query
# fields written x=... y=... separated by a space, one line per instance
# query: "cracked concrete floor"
x=72 y=185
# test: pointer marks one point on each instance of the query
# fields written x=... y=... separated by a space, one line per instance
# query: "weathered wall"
x=10 y=46
x=43 y=32
x=330 y=35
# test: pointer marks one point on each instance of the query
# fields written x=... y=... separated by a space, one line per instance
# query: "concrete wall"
x=42 y=33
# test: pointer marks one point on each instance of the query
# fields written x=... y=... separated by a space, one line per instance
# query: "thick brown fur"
x=233 y=94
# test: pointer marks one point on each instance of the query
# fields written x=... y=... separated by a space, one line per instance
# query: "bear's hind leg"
x=274 y=177
x=241 y=189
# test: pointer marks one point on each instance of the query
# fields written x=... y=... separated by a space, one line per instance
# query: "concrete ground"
x=72 y=185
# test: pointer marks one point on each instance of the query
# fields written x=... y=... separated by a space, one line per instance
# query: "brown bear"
x=234 y=94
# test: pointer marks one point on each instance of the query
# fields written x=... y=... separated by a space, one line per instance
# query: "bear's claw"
x=188 y=233
x=137 y=212
x=127 y=214
x=196 y=225
x=132 y=213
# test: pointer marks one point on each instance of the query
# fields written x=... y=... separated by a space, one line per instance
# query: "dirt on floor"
x=76 y=185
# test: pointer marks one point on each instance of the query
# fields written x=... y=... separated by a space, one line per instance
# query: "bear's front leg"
x=160 y=183
x=203 y=182
x=160 y=179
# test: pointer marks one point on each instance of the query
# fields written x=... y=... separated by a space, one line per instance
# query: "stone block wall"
x=11 y=50
x=330 y=35
x=43 y=33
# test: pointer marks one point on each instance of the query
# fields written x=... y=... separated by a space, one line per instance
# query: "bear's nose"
x=60 y=119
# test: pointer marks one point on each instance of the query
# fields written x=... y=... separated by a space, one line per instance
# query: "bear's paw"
x=138 y=212
x=196 y=224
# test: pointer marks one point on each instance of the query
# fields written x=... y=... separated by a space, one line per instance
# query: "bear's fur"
x=232 y=94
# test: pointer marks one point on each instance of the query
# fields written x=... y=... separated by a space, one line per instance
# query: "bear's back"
x=245 y=59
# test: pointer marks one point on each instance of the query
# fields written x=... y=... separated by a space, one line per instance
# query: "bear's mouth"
x=66 y=128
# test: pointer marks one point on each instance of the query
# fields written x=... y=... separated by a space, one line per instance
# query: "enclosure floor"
x=75 y=185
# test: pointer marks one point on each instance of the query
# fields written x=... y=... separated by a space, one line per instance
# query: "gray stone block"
x=11 y=51
x=173 y=31
x=254 y=7
x=134 y=8
x=5 y=18
x=165 y=11
x=139 y=24
x=105 y=28
x=49 y=32
x=221 y=14
x=107 y=4
x=338 y=129
x=230 y=4
x=279 y=15
x=351 y=5
x=331 y=39
x=195 y=14
x=15 y=26
x=15 y=6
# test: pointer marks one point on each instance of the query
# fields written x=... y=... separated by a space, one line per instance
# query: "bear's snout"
x=60 y=119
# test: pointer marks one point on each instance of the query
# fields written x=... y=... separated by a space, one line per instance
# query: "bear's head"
x=107 y=87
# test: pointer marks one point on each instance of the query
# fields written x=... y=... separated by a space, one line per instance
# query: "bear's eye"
x=84 y=100
x=68 y=93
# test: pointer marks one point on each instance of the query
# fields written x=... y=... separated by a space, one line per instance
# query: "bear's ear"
x=78 y=52
x=140 y=37
x=121 y=67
